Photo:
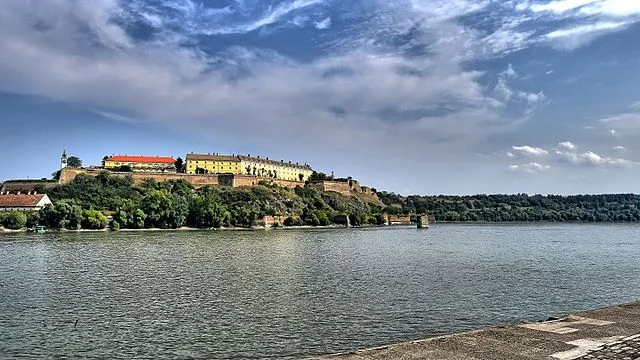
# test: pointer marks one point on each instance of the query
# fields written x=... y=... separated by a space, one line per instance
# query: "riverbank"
x=608 y=333
x=185 y=228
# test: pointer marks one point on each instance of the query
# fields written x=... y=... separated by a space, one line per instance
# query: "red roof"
x=14 y=200
x=143 y=159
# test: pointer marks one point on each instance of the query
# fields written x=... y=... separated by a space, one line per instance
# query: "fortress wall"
x=68 y=174
x=399 y=220
x=235 y=180
x=268 y=221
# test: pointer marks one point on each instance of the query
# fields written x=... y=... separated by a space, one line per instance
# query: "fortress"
x=200 y=170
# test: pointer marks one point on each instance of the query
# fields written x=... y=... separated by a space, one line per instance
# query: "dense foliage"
x=117 y=202
x=520 y=207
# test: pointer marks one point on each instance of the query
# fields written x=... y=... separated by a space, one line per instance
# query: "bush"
x=14 y=220
x=94 y=220
x=291 y=221
x=33 y=218
x=312 y=220
x=114 y=225
x=62 y=215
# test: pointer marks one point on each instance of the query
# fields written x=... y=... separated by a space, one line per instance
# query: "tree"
x=242 y=215
x=33 y=218
x=74 y=162
x=93 y=219
x=157 y=204
x=179 y=164
x=207 y=212
x=13 y=220
x=104 y=159
x=62 y=215
x=129 y=216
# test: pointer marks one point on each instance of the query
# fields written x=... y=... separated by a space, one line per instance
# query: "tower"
x=63 y=159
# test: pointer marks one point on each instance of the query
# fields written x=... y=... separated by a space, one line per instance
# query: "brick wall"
x=68 y=174
x=399 y=220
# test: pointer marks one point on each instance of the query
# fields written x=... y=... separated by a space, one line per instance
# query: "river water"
x=291 y=294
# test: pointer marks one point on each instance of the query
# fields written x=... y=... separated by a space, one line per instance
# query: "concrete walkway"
x=610 y=333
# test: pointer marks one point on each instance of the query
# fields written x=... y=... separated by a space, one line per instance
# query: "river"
x=296 y=293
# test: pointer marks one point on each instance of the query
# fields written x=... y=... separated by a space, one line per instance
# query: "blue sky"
x=411 y=96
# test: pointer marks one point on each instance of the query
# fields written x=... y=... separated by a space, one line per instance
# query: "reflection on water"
x=288 y=294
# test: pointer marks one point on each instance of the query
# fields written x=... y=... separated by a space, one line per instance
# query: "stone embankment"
x=610 y=333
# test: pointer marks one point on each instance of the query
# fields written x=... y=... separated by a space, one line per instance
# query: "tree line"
x=518 y=207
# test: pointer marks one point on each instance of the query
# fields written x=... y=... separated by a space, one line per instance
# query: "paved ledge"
x=610 y=333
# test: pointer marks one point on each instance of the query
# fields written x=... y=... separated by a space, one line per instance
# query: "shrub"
x=33 y=218
x=62 y=215
x=94 y=220
x=14 y=220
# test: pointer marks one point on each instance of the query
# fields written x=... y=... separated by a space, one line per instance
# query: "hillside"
x=175 y=203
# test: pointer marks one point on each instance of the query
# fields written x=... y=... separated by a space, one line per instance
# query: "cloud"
x=324 y=24
x=505 y=92
x=530 y=150
x=558 y=6
x=589 y=158
x=625 y=122
x=530 y=168
x=247 y=92
x=567 y=153
x=567 y=146
x=576 y=23
x=570 y=38
x=612 y=8
x=635 y=105
x=619 y=148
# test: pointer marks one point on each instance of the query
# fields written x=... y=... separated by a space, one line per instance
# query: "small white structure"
x=23 y=202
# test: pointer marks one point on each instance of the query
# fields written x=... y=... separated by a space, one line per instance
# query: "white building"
x=23 y=202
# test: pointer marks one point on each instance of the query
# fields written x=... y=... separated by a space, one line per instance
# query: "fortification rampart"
x=234 y=180
x=345 y=187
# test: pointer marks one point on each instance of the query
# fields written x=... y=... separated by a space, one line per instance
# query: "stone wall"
x=234 y=180
x=399 y=220
x=341 y=187
x=269 y=221
x=68 y=174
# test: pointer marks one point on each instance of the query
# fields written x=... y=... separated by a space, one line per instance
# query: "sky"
x=409 y=96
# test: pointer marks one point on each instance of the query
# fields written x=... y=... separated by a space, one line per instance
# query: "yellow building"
x=213 y=164
x=141 y=163
x=264 y=167
x=247 y=165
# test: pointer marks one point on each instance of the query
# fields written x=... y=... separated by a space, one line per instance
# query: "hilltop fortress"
x=200 y=170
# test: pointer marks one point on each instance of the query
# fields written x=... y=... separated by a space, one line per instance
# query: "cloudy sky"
x=411 y=96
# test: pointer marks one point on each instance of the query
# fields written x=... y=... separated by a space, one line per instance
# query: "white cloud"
x=166 y=84
x=619 y=148
x=531 y=168
x=589 y=158
x=582 y=30
x=567 y=153
x=581 y=21
x=558 y=6
x=448 y=9
x=530 y=150
x=635 y=105
x=567 y=146
x=613 y=8
x=628 y=121
x=509 y=72
x=324 y=24
x=578 y=35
